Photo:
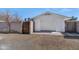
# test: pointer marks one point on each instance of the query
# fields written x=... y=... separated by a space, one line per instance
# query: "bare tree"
x=8 y=19
x=17 y=18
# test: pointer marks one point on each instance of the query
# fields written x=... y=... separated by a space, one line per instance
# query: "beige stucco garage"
x=49 y=22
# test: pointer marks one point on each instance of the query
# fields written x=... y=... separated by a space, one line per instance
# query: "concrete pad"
x=56 y=33
x=49 y=33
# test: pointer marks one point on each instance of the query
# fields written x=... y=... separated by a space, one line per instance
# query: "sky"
x=31 y=12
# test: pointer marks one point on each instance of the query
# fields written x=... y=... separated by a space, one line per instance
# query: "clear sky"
x=31 y=12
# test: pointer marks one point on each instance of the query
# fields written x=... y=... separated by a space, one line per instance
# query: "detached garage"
x=48 y=22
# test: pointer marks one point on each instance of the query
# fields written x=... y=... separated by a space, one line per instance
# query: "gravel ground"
x=37 y=42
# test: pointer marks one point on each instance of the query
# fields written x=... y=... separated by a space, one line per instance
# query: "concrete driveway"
x=49 y=33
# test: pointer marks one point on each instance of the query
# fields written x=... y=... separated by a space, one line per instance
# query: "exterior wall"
x=77 y=26
x=16 y=27
x=50 y=23
x=3 y=27
x=37 y=25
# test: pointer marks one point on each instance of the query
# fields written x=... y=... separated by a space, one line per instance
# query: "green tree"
x=73 y=18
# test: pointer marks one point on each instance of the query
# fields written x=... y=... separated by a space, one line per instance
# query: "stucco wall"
x=50 y=23
x=15 y=27
x=3 y=27
x=31 y=27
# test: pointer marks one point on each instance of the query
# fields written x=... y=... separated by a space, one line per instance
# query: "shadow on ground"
x=71 y=37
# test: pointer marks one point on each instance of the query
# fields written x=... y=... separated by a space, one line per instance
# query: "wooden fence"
x=70 y=26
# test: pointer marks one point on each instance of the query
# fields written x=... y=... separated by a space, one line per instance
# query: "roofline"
x=71 y=20
x=51 y=13
x=61 y=15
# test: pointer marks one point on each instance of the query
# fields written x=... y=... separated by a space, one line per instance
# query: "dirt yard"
x=37 y=42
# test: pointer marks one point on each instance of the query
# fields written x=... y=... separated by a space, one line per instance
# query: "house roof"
x=51 y=14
